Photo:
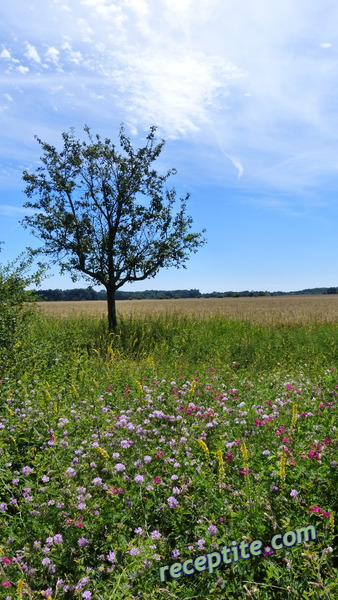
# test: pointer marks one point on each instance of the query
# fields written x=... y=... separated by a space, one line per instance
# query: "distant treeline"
x=90 y=294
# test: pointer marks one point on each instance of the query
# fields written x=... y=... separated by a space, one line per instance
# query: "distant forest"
x=90 y=294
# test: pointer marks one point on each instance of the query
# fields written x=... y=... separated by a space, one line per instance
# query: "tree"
x=107 y=215
x=15 y=302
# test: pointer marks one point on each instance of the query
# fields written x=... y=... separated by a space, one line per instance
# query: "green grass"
x=262 y=397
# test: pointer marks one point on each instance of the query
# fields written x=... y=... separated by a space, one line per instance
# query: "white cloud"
x=5 y=54
x=9 y=210
x=237 y=164
x=325 y=45
x=23 y=69
x=52 y=55
x=32 y=53
x=8 y=97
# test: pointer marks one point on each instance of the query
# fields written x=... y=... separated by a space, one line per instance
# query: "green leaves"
x=108 y=213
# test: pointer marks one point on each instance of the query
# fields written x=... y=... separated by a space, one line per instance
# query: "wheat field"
x=266 y=309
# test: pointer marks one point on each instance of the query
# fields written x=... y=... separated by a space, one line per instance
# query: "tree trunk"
x=112 y=321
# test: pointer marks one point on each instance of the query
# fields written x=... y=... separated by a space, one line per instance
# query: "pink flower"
x=6 y=583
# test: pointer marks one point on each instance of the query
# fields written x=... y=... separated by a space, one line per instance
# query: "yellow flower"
x=294 y=414
x=245 y=452
x=19 y=589
x=203 y=445
x=331 y=522
x=219 y=455
x=139 y=386
x=193 y=387
x=103 y=452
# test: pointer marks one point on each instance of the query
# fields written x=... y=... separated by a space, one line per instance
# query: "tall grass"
x=123 y=453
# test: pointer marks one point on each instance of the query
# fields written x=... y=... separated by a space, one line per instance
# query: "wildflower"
x=46 y=561
x=294 y=494
x=97 y=481
x=244 y=452
x=120 y=467
x=111 y=557
x=134 y=551
x=139 y=479
x=266 y=452
x=200 y=544
x=331 y=522
x=155 y=535
x=58 y=538
x=294 y=415
x=27 y=470
x=138 y=530
x=71 y=472
x=203 y=445
x=175 y=553
x=6 y=583
x=102 y=451
x=87 y=595
x=157 y=480
x=212 y=529
x=172 y=502
x=147 y=458
x=45 y=479
x=3 y=506
x=82 y=541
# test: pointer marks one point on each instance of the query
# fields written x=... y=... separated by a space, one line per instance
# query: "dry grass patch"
x=269 y=309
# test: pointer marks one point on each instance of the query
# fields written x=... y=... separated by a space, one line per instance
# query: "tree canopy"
x=107 y=215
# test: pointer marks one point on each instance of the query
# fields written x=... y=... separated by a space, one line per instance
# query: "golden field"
x=265 y=309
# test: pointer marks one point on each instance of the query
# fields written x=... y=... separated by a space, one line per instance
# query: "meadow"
x=191 y=432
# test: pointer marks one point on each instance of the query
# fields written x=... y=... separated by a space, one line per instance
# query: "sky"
x=245 y=93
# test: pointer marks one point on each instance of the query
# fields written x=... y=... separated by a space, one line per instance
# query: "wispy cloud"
x=9 y=210
x=262 y=77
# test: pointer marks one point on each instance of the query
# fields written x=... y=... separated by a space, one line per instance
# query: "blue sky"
x=245 y=92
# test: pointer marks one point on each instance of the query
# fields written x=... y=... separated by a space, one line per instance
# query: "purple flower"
x=175 y=553
x=82 y=541
x=134 y=551
x=120 y=467
x=294 y=494
x=58 y=538
x=138 y=531
x=147 y=458
x=126 y=444
x=27 y=470
x=45 y=479
x=212 y=529
x=155 y=535
x=139 y=479
x=111 y=556
x=97 y=481
x=172 y=502
x=46 y=561
x=71 y=472
x=3 y=506
x=200 y=544
x=87 y=595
